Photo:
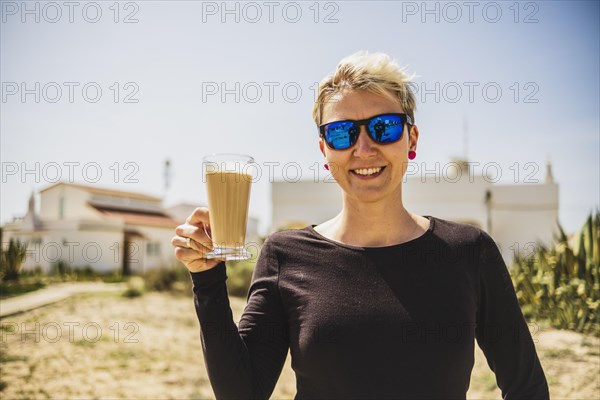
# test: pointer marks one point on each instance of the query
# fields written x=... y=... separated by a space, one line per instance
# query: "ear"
x=322 y=147
x=413 y=138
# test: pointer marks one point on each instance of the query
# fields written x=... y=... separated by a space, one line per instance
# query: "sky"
x=104 y=92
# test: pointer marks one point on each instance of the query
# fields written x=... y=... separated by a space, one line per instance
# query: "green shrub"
x=35 y=272
x=239 y=276
x=562 y=284
x=60 y=268
x=12 y=259
x=22 y=286
x=86 y=273
x=135 y=287
x=131 y=293
x=177 y=278
x=183 y=283
x=160 y=279
x=112 y=277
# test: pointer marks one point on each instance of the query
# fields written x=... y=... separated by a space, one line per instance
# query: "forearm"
x=511 y=354
x=502 y=331
x=226 y=356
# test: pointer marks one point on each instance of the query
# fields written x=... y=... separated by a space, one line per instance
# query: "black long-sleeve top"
x=395 y=322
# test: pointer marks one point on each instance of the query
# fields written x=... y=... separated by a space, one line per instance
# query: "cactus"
x=561 y=284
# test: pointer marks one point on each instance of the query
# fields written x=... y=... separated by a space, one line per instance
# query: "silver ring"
x=188 y=243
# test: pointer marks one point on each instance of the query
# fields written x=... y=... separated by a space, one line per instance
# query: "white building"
x=105 y=229
x=517 y=216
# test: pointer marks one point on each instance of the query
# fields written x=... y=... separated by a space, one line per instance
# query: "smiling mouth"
x=367 y=171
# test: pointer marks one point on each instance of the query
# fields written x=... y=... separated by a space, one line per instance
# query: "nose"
x=365 y=147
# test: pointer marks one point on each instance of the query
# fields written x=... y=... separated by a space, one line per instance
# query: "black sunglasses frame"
x=406 y=119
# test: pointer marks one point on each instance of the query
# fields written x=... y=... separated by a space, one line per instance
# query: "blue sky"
x=538 y=63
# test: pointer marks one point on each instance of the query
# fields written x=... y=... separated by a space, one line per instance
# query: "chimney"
x=549 y=176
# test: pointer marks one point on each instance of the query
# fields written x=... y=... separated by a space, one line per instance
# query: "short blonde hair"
x=374 y=72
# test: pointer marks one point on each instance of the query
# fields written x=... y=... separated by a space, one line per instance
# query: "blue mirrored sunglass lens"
x=339 y=134
x=386 y=128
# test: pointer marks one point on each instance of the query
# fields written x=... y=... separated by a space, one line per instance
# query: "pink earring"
x=326 y=166
x=412 y=155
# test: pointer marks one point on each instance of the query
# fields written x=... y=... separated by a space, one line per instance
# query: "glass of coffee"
x=228 y=179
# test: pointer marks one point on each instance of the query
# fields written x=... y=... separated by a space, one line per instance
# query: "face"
x=368 y=171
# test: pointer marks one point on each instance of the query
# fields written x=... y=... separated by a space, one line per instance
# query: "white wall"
x=520 y=214
x=103 y=250
x=75 y=204
x=100 y=250
x=166 y=258
x=136 y=252
x=84 y=236
x=305 y=202
x=462 y=201
x=309 y=202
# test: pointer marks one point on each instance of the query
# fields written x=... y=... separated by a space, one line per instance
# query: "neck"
x=374 y=224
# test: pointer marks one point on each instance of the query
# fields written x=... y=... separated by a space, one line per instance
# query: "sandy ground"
x=105 y=346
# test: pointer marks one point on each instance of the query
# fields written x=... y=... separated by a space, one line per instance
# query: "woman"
x=377 y=302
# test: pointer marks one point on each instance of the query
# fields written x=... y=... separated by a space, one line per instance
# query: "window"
x=153 y=248
x=61 y=208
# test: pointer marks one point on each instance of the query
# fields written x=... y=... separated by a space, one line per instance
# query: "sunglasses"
x=383 y=129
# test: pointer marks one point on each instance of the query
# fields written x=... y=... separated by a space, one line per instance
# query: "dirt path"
x=53 y=294
x=102 y=345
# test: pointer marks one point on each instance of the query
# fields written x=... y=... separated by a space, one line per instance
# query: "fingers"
x=194 y=260
x=186 y=255
x=192 y=242
x=193 y=257
x=195 y=233
x=187 y=242
x=198 y=217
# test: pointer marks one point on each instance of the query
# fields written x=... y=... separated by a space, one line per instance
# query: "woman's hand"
x=192 y=243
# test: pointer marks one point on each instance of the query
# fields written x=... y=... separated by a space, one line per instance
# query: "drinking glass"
x=228 y=179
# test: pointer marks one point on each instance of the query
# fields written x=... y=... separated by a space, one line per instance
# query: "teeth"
x=367 y=171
